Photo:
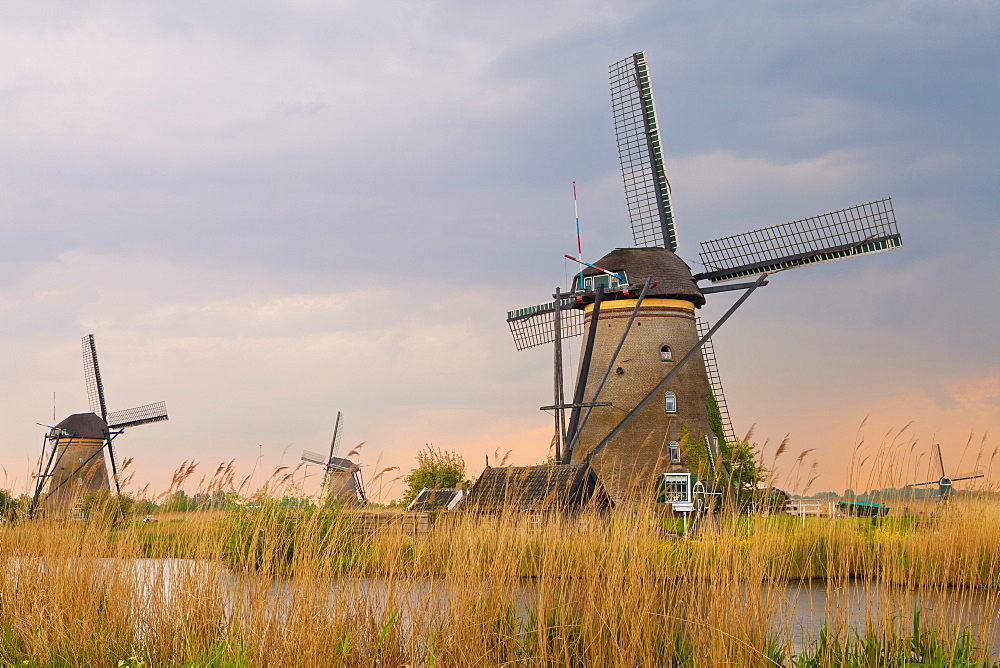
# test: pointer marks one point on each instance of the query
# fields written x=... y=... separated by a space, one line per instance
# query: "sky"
x=270 y=212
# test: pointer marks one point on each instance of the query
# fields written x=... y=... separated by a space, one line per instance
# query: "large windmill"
x=74 y=450
x=645 y=391
x=946 y=483
x=342 y=478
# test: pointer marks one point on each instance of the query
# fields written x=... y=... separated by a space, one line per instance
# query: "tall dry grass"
x=272 y=585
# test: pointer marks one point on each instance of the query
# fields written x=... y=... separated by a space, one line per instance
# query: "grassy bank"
x=279 y=586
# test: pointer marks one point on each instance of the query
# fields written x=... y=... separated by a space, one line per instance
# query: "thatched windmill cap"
x=672 y=273
x=84 y=425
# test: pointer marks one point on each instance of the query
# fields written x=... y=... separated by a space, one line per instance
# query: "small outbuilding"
x=563 y=488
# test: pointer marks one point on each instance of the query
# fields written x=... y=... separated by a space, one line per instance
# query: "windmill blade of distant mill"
x=314 y=458
x=338 y=433
x=535 y=325
x=929 y=482
x=92 y=377
x=133 y=417
x=968 y=476
x=647 y=191
x=940 y=460
x=715 y=380
x=858 y=230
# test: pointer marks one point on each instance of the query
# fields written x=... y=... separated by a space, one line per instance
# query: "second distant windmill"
x=342 y=479
x=946 y=483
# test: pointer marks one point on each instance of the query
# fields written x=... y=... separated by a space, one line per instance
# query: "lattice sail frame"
x=314 y=458
x=92 y=377
x=647 y=190
x=858 y=230
x=133 y=417
x=535 y=325
x=130 y=417
x=715 y=380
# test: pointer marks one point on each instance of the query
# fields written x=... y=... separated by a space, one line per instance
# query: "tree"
x=10 y=506
x=436 y=469
x=746 y=470
x=178 y=502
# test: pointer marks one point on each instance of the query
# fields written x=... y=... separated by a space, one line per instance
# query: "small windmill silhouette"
x=342 y=478
x=946 y=483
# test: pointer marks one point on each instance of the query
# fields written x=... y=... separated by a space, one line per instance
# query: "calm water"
x=800 y=609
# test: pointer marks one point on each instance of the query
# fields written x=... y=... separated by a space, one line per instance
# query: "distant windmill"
x=342 y=477
x=945 y=482
x=636 y=394
x=75 y=465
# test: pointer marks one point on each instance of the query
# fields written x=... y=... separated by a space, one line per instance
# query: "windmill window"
x=666 y=354
x=79 y=460
x=670 y=402
x=609 y=282
x=620 y=371
x=675 y=488
x=675 y=452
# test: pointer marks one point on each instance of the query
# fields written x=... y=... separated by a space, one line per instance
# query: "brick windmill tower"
x=647 y=401
x=80 y=447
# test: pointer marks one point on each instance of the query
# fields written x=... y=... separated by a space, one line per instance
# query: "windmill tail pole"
x=594 y=266
x=560 y=416
x=575 y=435
x=581 y=381
x=44 y=473
x=670 y=376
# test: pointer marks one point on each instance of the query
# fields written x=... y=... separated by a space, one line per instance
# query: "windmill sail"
x=535 y=325
x=314 y=458
x=92 y=377
x=338 y=433
x=133 y=417
x=647 y=191
x=859 y=230
x=715 y=380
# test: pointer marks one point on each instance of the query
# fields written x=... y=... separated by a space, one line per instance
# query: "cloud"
x=977 y=395
x=241 y=360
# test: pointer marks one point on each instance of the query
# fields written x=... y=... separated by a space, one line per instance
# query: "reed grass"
x=272 y=585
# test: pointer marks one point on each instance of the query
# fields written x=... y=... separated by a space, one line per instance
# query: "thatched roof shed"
x=559 y=487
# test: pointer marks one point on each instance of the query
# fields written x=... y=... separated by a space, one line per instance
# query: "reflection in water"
x=797 y=610
x=856 y=604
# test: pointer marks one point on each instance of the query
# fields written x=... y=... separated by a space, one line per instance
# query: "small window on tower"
x=665 y=353
x=675 y=452
x=670 y=402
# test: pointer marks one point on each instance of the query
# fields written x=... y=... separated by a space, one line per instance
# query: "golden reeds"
x=271 y=585
x=273 y=582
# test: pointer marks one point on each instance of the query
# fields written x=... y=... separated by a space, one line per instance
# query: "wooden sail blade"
x=314 y=458
x=929 y=482
x=647 y=191
x=715 y=381
x=133 y=417
x=92 y=378
x=535 y=325
x=859 y=230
